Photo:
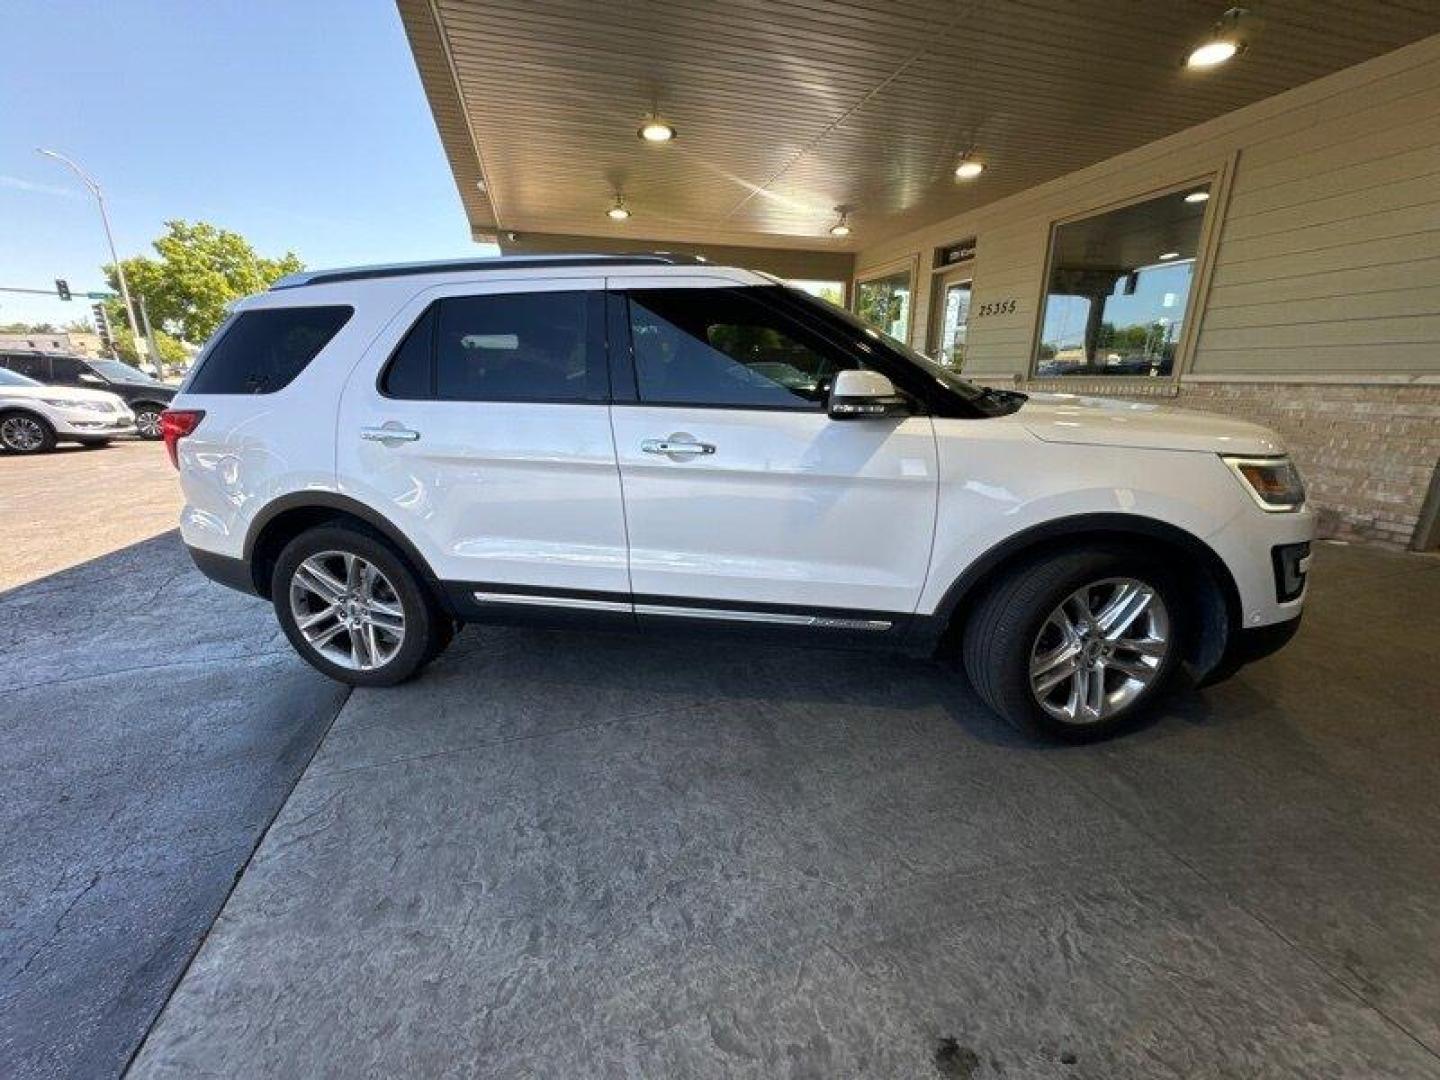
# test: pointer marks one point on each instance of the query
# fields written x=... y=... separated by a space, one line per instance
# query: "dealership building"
x=1045 y=195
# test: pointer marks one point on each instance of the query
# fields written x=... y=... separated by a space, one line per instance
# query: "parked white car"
x=34 y=417
x=646 y=442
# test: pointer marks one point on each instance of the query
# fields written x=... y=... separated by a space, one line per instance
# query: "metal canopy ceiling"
x=787 y=109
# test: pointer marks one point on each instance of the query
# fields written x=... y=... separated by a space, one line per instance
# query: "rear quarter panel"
x=253 y=448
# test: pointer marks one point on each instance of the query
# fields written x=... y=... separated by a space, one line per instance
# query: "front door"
x=743 y=499
x=952 y=320
x=485 y=436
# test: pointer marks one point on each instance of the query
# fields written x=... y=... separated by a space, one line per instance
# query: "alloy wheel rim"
x=347 y=610
x=148 y=424
x=21 y=433
x=1099 y=650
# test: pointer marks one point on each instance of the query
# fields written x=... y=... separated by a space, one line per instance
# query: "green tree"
x=172 y=352
x=79 y=326
x=28 y=328
x=200 y=269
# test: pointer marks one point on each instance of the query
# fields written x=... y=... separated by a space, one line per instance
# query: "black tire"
x=426 y=628
x=23 y=432
x=147 y=420
x=1005 y=628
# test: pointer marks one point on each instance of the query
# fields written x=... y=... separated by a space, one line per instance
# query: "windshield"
x=115 y=371
x=994 y=402
x=10 y=378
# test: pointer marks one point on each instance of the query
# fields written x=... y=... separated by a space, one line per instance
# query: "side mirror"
x=865 y=395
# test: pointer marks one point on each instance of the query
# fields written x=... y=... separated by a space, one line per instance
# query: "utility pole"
x=109 y=236
x=150 y=338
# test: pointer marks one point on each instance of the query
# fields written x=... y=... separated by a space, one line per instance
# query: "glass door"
x=952 y=319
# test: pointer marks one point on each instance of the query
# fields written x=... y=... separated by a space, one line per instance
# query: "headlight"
x=1274 y=483
x=72 y=403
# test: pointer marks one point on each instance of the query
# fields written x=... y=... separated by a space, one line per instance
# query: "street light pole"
x=109 y=236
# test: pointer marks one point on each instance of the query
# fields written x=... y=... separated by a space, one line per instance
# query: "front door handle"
x=677 y=447
x=389 y=434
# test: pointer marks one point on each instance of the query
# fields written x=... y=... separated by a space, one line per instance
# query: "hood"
x=62 y=393
x=1069 y=418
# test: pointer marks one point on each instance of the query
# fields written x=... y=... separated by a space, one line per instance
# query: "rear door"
x=743 y=499
x=485 y=435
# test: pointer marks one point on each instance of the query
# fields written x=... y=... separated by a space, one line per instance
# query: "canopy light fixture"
x=969 y=168
x=618 y=212
x=1197 y=196
x=656 y=130
x=1169 y=255
x=842 y=223
x=1223 y=42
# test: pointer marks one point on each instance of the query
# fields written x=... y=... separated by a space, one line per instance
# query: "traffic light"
x=102 y=326
x=63 y=288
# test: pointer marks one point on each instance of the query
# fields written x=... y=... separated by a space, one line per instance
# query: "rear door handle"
x=674 y=448
x=389 y=433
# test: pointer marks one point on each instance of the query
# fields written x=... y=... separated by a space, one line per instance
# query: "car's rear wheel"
x=147 y=421
x=354 y=608
x=1076 y=646
x=25 y=433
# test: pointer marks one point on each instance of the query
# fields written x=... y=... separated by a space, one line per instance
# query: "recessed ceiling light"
x=842 y=223
x=1197 y=196
x=657 y=131
x=1211 y=54
x=968 y=169
x=618 y=212
x=1223 y=42
x=1170 y=255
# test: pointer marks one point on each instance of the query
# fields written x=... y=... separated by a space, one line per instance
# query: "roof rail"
x=497 y=262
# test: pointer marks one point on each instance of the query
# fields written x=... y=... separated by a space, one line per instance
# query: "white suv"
x=650 y=442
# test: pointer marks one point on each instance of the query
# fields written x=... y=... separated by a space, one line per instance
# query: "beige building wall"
x=1316 y=305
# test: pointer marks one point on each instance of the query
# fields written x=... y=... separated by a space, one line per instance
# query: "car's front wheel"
x=1077 y=645
x=354 y=608
x=25 y=433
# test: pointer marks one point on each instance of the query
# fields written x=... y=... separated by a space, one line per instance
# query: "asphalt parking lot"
x=559 y=854
x=76 y=504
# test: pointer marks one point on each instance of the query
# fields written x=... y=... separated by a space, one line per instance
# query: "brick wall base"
x=1368 y=452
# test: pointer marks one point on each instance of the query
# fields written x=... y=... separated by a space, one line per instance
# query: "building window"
x=884 y=303
x=1119 y=288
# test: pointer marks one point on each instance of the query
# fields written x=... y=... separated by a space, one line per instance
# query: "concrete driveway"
x=151 y=725
x=564 y=855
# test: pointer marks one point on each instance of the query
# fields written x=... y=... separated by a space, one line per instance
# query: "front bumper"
x=86 y=424
x=1245 y=646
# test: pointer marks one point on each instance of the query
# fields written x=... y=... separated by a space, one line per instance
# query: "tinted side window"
x=262 y=351
x=517 y=347
x=36 y=367
x=66 y=372
x=721 y=347
x=409 y=374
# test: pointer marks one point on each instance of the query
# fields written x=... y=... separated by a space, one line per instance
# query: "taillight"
x=175 y=424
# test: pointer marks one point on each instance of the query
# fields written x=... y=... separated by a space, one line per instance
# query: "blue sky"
x=300 y=125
